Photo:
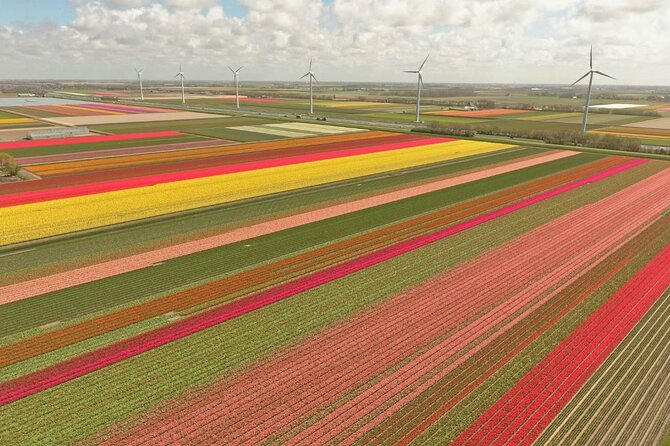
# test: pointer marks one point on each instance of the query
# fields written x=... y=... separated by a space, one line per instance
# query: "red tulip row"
x=523 y=412
x=68 y=191
x=114 y=164
x=96 y=360
x=145 y=164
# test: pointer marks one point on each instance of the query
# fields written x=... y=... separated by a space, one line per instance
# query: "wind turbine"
x=237 y=85
x=181 y=75
x=139 y=78
x=419 y=84
x=590 y=73
x=311 y=76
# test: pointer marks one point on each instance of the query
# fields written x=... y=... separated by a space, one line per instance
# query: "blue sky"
x=35 y=11
x=62 y=12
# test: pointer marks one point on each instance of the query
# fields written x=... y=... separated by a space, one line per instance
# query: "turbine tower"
x=311 y=76
x=237 y=85
x=181 y=75
x=419 y=84
x=139 y=78
x=590 y=74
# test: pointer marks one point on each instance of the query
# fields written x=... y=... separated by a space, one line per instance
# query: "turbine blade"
x=580 y=78
x=421 y=79
x=424 y=62
x=239 y=69
x=410 y=71
x=313 y=77
x=603 y=74
x=305 y=75
x=233 y=71
x=310 y=63
x=591 y=58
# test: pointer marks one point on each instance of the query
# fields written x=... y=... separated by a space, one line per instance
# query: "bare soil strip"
x=130 y=118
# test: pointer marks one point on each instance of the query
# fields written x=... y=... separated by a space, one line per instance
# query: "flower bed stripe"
x=520 y=415
x=15 y=120
x=36 y=382
x=182 y=161
x=24 y=290
x=276 y=145
x=131 y=109
x=480 y=113
x=163 y=162
x=132 y=150
x=151 y=180
x=92 y=211
x=85 y=139
x=85 y=111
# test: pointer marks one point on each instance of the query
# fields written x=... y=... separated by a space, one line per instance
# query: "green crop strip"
x=75 y=148
x=217 y=262
x=72 y=252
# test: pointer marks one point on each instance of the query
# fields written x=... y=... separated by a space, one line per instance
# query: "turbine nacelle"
x=309 y=73
x=180 y=73
x=234 y=71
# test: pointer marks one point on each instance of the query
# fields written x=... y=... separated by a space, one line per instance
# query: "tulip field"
x=348 y=287
x=85 y=109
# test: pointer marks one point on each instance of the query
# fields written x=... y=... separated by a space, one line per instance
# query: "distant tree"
x=563 y=137
x=8 y=165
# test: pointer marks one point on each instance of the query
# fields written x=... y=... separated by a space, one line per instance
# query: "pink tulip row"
x=525 y=410
x=36 y=382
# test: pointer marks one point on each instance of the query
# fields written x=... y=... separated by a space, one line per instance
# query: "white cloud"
x=191 y=4
x=469 y=40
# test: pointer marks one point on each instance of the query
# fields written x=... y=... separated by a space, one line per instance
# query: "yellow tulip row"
x=15 y=120
x=37 y=220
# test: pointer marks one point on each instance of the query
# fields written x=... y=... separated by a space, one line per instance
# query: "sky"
x=469 y=41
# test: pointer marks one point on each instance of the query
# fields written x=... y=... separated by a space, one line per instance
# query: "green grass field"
x=213 y=128
x=7 y=115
